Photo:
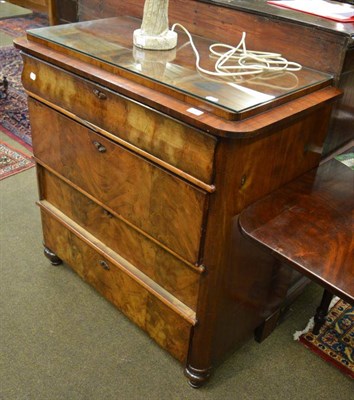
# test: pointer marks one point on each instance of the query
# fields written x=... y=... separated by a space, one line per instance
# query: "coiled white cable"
x=244 y=62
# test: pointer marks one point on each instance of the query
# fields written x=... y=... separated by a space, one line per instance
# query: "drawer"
x=155 y=201
x=179 y=145
x=169 y=329
x=174 y=275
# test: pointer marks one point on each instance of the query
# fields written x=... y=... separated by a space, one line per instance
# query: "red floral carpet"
x=13 y=107
x=335 y=342
x=12 y=161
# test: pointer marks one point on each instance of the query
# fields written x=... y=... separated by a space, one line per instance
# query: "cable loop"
x=241 y=61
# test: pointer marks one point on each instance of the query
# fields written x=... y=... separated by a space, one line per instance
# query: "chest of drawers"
x=140 y=194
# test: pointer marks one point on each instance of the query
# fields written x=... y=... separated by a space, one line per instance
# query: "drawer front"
x=179 y=145
x=166 y=327
x=168 y=271
x=160 y=204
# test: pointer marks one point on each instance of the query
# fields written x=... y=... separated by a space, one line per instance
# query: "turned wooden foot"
x=52 y=257
x=321 y=312
x=197 y=377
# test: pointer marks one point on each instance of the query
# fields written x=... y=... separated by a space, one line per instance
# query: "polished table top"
x=308 y=223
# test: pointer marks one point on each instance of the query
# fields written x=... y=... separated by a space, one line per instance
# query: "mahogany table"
x=308 y=224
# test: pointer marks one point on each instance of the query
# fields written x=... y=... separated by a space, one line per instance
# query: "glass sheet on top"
x=111 y=41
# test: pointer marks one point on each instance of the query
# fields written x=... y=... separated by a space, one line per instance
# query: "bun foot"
x=52 y=257
x=197 y=377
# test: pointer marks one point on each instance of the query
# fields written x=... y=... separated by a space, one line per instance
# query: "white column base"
x=167 y=41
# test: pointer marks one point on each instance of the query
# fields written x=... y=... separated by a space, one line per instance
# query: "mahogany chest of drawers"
x=141 y=179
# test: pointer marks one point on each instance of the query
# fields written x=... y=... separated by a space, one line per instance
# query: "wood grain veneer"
x=167 y=328
x=314 y=42
x=177 y=277
x=134 y=189
x=134 y=183
x=175 y=143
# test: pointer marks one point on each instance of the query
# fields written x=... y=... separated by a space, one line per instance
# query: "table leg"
x=321 y=312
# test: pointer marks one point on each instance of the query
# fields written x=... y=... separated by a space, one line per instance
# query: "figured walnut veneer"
x=169 y=329
x=141 y=198
x=177 y=144
x=177 y=277
x=134 y=188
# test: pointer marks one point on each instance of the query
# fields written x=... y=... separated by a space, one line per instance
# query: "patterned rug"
x=16 y=27
x=13 y=106
x=13 y=161
x=335 y=342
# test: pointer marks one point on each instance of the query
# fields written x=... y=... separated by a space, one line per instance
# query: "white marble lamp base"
x=165 y=41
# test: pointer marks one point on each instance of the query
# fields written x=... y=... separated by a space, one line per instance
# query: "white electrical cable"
x=245 y=62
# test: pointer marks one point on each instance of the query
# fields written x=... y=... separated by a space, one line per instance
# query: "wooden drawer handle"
x=99 y=147
x=99 y=94
x=104 y=265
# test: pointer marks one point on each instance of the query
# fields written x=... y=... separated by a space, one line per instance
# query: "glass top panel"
x=111 y=41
